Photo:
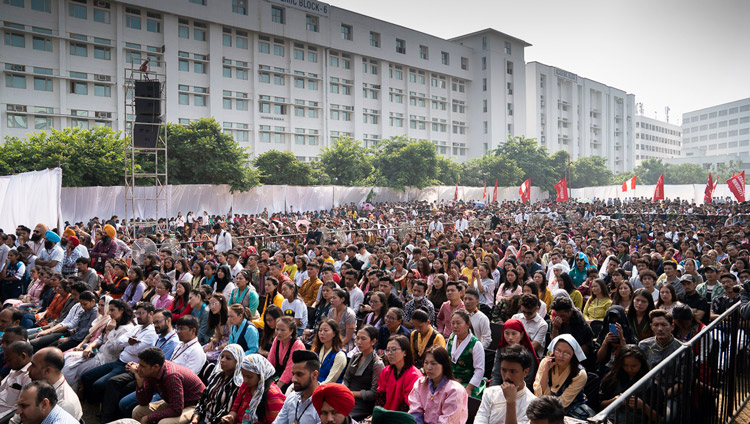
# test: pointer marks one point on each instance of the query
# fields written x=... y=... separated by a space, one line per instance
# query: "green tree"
x=533 y=160
x=87 y=157
x=448 y=171
x=590 y=171
x=490 y=168
x=687 y=173
x=649 y=170
x=400 y=162
x=346 y=162
x=724 y=171
x=277 y=167
x=200 y=153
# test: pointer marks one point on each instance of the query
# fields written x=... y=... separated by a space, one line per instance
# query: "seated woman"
x=398 y=378
x=379 y=306
x=467 y=354
x=332 y=358
x=598 y=304
x=243 y=332
x=79 y=361
x=163 y=298
x=437 y=398
x=284 y=344
x=623 y=294
x=514 y=333
x=361 y=376
x=561 y=375
x=259 y=399
x=199 y=309
x=344 y=316
x=616 y=332
x=394 y=319
x=423 y=337
x=642 y=305
x=218 y=326
x=221 y=388
x=268 y=334
x=293 y=306
x=629 y=367
x=245 y=293
x=273 y=297
x=181 y=304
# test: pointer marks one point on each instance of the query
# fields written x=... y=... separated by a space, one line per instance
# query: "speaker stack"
x=147 y=114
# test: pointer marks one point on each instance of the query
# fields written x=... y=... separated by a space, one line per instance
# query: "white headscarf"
x=257 y=364
x=569 y=339
x=239 y=356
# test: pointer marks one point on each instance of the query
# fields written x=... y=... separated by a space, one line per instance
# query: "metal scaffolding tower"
x=146 y=190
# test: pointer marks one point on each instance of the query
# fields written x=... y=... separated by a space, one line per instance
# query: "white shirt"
x=296 y=309
x=435 y=226
x=222 y=242
x=11 y=387
x=536 y=328
x=356 y=297
x=68 y=399
x=462 y=224
x=55 y=254
x=146 y=338
x=493 y=406
x=481 y=325
x=82 y=251
x=4 y=249
x=190 y=355
x=235 y=270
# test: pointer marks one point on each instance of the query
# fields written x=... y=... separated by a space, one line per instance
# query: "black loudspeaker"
x=145 y=135
x=147 y=89
x=147 y=107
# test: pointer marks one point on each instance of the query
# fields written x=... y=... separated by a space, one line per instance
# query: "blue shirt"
x=251 y=336
x=167 y=344
x=59 y=416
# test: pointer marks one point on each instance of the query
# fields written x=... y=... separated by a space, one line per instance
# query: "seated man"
x=568 y=320
x=333 y=402
x=18 y=358
x=37 y=404
x=72 y=320
x=180 y=388
x=46 y=365
x=418 y=301
x=535 y=325
x=507 y=402
x=189 y=353
x=731 y=295
x=10 y=335
x=480 y=324
x=546 y=410
x=296 y=407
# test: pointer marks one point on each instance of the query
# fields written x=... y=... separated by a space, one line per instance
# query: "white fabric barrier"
x=690 y=192
x=30 y=198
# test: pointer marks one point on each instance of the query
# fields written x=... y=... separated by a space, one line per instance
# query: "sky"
x=684 y=54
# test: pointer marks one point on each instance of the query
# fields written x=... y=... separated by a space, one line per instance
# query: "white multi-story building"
x=656 y=139
x=277 y=74
x=583 y=117
x=717 y=133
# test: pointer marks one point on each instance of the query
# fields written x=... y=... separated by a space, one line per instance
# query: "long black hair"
x=221 y=283
x=617 y=374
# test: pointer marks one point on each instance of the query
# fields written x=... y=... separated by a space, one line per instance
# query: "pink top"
x=163 y=302
x=448 y=405
x=35 y=291
x=397 y=391
x=286 y=376
x=444 y=317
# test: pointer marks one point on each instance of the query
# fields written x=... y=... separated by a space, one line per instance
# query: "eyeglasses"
x=156 y=321
x=392 y=350
x=562 y=353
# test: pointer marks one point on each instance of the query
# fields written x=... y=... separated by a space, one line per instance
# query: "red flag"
x=525 y=191
x=494 y=193
x=562 y=191
x=737 y=186
x=484 y=195
x=630 y=182
x=659 y=190
x=708 y=193
x=455 y=195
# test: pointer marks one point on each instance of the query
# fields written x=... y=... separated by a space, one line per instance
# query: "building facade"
x=718 y=133
x=583 y=117
x=277 y=74
x=656 y=139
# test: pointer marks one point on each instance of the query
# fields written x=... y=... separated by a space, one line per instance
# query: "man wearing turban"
x=334 y=402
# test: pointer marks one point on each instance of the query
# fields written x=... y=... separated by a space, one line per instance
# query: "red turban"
x=73 y=240
x=514 y=324
x=337 y=395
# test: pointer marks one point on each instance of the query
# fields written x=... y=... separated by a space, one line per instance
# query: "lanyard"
x=184 y=349
x=165 y=341
x=296 y=409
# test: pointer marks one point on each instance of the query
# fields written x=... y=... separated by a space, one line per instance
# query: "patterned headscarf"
x=257 y=364
x=239 y=356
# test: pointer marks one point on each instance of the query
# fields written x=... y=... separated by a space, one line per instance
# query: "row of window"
x=663 y=140
x=656 y=128
x=714 y=136
x=724 y=112
x=720 y=124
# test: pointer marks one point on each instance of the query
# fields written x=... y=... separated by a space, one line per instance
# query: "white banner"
x=30 y=198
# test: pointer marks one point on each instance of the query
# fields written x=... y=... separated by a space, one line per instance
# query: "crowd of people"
x=413 y=312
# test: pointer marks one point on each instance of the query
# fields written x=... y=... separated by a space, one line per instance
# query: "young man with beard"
x=297 y=406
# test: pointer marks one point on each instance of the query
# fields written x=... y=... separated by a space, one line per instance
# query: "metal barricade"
x=706 y=380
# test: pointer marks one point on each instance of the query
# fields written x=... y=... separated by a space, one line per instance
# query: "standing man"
x=296 y=409
x=222 y=239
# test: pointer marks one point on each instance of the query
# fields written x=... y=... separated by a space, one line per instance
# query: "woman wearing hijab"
x=561 y=375
x=221 y=388
x=514 y=333
x=79 y=361
x=259 y=399
x=616 y=332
